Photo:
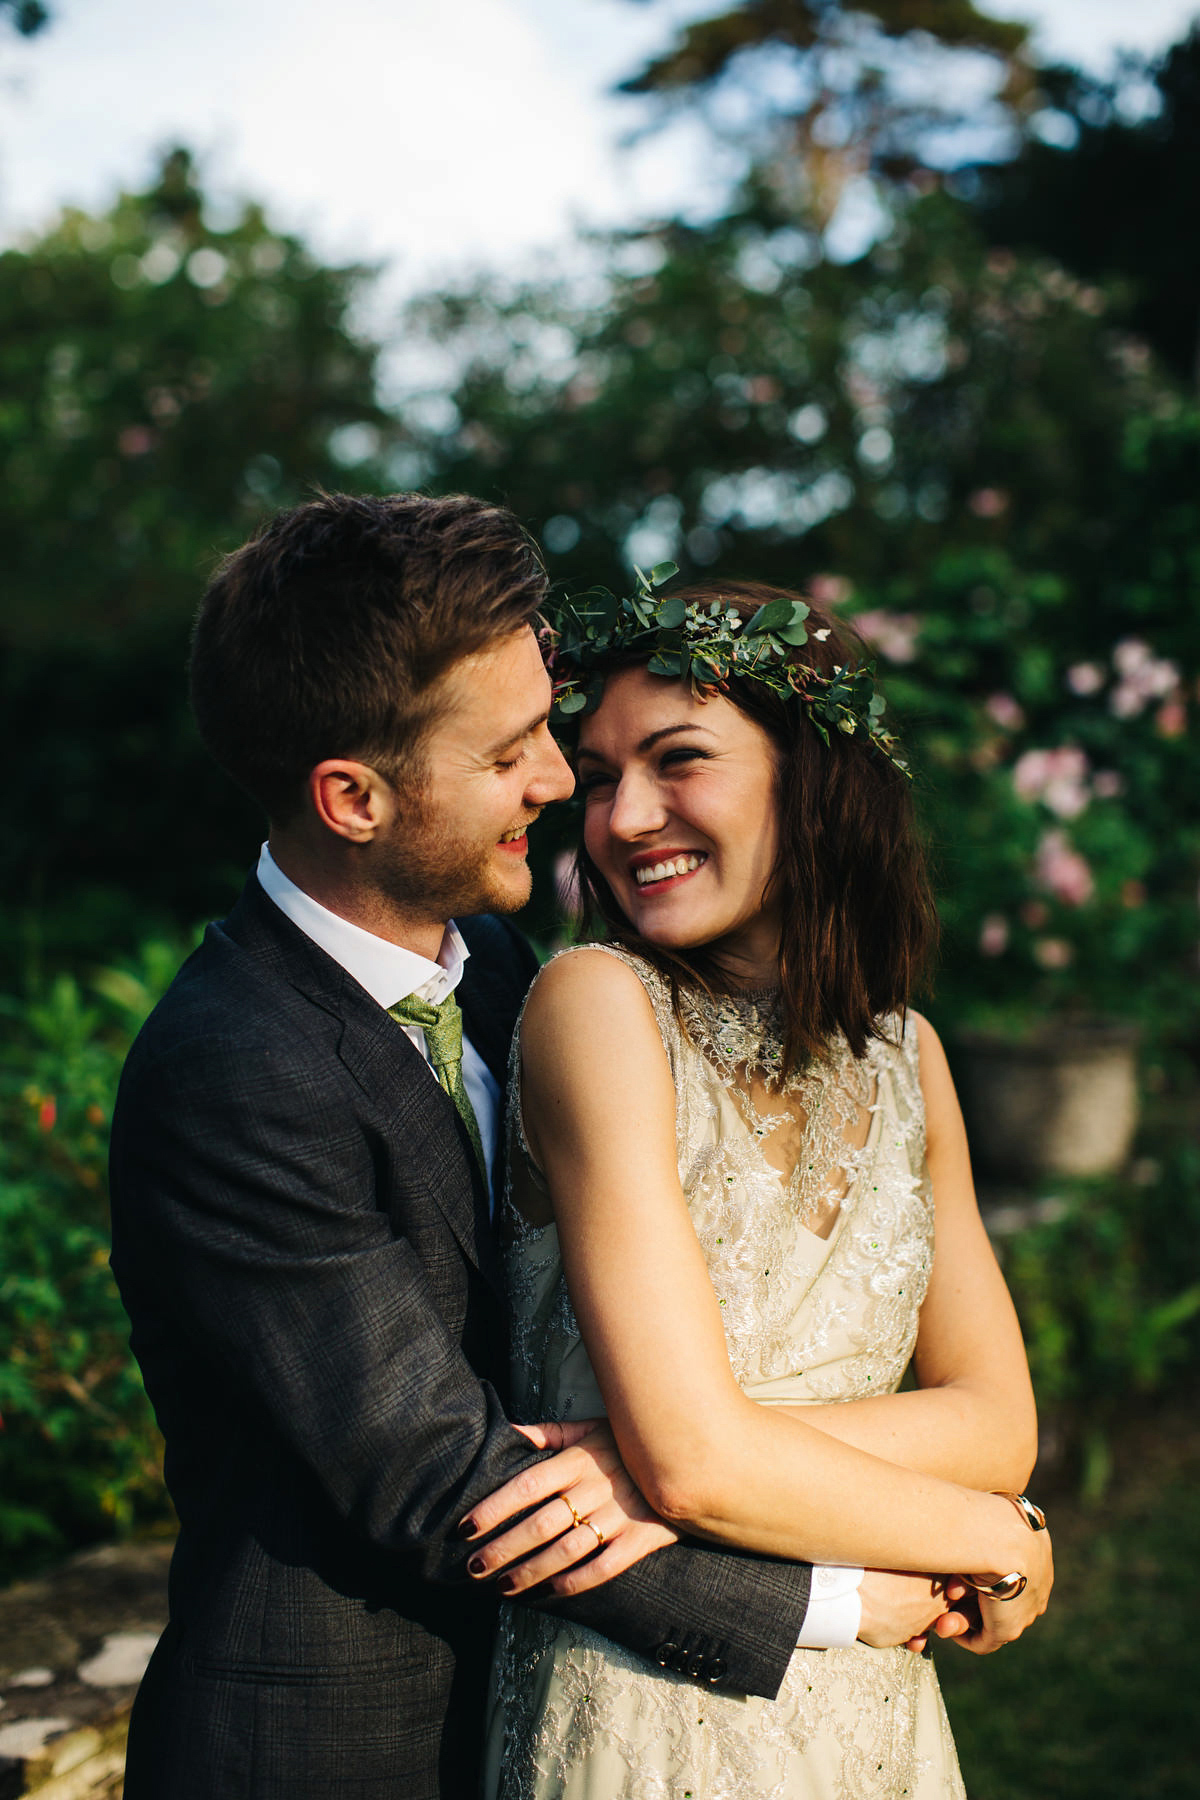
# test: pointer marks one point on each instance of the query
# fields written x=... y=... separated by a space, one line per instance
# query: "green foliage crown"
x=706 y=646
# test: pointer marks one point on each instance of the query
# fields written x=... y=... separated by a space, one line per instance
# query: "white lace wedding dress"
x=812 y=1205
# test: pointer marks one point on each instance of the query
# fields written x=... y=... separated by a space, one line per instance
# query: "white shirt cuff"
x=834 y=1609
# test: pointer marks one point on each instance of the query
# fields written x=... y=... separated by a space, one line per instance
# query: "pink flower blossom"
x=1170 y=720
x=830 y=590
x=988 y=502
x=993 y=935
x=1062 y=871
x=1005 y=711
x=1035 y=914
x=1053 y=953
x=1107 y=784
x=1058 y=778
x=1144 y=677
x=1085 y=678
x=894 y=635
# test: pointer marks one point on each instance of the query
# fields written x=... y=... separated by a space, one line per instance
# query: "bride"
x=735 y=1148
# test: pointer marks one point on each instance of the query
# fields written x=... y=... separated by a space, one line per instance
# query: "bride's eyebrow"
x=648 y=742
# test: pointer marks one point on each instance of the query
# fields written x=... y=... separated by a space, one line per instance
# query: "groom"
x=303 y=1165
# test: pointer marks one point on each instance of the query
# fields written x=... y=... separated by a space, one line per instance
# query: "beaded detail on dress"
x=821 y=1314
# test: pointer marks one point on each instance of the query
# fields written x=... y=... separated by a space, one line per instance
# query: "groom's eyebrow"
x=516 y=737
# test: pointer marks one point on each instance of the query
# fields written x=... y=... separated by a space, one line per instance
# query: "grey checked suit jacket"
x=302 y=1243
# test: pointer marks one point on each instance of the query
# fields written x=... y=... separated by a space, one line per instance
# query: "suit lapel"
x=380 y=1058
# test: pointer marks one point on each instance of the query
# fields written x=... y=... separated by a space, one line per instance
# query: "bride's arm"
x=600 y=1111
x=971 y=1419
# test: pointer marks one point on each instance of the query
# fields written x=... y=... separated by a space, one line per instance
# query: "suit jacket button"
x=696 y=1667
x=716 y=1670
x=666 y=1653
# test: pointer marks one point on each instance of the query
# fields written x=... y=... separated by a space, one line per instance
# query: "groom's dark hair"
x=325 y=635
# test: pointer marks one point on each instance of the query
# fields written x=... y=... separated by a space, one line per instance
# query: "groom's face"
x=458 y=846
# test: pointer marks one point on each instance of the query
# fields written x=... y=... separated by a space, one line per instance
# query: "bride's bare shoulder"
x=587 y=991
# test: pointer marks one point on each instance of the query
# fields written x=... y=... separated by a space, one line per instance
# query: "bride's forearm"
x=958 y=1432
x=769 y=1481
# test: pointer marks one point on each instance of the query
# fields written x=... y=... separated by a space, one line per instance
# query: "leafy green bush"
x=1109 y=1299
x=79 y=1453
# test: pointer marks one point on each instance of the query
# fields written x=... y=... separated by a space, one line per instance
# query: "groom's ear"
x=350 y=798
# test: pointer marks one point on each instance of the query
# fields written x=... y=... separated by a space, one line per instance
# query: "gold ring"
x=576 y=1517
x=592 y=1526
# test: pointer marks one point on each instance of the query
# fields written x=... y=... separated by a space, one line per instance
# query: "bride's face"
x=681 y=818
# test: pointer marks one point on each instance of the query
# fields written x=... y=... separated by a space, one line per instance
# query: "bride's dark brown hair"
x=859 y=922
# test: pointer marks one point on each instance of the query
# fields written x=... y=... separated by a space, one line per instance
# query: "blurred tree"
x=1108 y=187
x=164 y=383
x=831 y=93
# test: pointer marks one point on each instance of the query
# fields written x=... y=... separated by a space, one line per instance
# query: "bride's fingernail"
x=506 y=1585
x=466 y=1528
x=477 y=1566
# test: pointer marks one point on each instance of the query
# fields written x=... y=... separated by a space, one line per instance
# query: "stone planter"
x=1063 y=1101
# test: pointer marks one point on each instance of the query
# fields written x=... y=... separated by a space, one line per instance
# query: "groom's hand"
x=905 y=1609
x=584 y=1522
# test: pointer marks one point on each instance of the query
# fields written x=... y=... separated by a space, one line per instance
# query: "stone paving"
x=73 y=1646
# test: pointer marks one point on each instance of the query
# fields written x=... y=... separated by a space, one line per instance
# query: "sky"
x=430 y=138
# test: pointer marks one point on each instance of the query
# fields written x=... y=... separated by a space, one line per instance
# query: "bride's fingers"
x=621 y=1554
x=558 y=1434
x=560 y=1514
x=533 y=1486
x=578 y=1545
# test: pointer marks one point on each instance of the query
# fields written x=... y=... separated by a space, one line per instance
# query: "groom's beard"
x=433 y=866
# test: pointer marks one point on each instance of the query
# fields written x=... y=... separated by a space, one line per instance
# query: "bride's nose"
x=637 y=807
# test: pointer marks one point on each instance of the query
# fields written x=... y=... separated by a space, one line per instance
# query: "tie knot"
x=442 y=1025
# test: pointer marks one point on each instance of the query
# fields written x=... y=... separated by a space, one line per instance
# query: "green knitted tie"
x=442 y=1026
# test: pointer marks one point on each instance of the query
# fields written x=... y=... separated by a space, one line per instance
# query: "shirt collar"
x=387 y=971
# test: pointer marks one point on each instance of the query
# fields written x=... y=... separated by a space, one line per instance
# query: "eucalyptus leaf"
x=661 y=572
x=665 y=663
x=672 y=613
x=572 y=703
x=774 y=616
x=792 y=634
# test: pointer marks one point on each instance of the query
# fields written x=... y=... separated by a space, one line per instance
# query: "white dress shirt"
x=390 y=973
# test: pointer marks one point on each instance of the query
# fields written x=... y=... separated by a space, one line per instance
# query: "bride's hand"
x=1001 y=1622
x=589 y=1522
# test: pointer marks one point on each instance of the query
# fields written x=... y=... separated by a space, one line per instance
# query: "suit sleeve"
x=281 y=1274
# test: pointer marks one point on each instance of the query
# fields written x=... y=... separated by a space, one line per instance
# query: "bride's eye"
x=684 y=753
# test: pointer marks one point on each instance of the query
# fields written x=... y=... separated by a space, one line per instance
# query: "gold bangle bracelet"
x=1033 y=1515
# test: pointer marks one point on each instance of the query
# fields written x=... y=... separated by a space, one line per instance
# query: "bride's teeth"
x=680 y=865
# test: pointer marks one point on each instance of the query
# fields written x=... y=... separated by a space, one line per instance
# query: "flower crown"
x=706 y=646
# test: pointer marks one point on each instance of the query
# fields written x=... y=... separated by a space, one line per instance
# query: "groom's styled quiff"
x=325 y=635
